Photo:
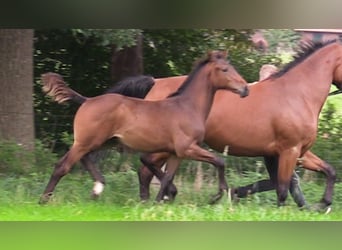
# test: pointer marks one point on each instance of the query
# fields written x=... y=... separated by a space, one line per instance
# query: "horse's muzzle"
x=244 y=92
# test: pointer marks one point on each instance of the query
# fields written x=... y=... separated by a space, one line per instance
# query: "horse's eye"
x=225 y=70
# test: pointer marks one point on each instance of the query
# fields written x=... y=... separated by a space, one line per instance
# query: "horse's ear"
x=217 y=54
x=211 y=55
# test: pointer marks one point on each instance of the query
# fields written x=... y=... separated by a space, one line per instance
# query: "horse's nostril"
x=245 y=92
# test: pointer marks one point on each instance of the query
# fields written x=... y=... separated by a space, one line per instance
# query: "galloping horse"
x=175 y=125
x=277 y=121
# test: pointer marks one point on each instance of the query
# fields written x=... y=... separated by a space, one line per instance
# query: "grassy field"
x=120 y=202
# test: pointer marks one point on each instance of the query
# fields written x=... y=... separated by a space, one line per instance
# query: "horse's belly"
x=237 y=150
x=246 y=145
x=142 y=143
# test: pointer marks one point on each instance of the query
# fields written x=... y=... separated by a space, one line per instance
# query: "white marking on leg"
x=98 y=188
x=328 y=210
x=226 y=150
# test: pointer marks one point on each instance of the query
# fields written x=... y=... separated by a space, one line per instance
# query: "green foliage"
x=84 y=67
x=329 y=143
x=177 y=50
x=281 y=39
x=174 y=51
x=105 y=37
x=248 y=62
x=14 y=158
x=45 y=159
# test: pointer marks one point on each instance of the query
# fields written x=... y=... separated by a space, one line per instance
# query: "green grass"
x=92 y=211
x=120 y=202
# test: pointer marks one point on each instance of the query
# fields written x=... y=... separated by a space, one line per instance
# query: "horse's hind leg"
x=262 y=185
x=195 y=152
x=62 y=168
x=313 y=162
x=172 y=165
x=256 y=187
x=152 y=166
x=98 y=178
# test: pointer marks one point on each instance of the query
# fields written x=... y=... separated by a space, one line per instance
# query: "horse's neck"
x=199 y=94
x=311 y=79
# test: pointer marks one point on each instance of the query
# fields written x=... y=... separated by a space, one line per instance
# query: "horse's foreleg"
x=313 y=162
x=294 y=188
x=62 y=168
x=287 y=163
x=98 y=178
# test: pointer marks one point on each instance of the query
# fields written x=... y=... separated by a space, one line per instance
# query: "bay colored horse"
x=278 y=121
x=175 y=125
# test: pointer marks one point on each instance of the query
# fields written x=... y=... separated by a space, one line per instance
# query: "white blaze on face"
x=98 y=188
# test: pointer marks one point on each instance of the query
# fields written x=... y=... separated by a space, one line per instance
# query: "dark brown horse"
x=175 y=125
x=277 y=121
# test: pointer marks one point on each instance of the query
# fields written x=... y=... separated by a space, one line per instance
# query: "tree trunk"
x=127 y=61
x=16 y=86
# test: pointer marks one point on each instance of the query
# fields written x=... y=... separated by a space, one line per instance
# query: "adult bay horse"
x=277 y=121
x=175 y=125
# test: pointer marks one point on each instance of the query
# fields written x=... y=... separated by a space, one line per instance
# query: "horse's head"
x=224 y=76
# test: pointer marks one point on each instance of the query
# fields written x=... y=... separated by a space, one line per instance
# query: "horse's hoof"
x=94 y=196
x=304 y=207
x=158 y=202
x=45 y=198
x=321 y=208
x=143 y=201
x=215 y=198
x=98 y=188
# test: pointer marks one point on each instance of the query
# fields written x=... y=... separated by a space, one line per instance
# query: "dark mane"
x=135 y=86
x=303 y=52
x=190 y=77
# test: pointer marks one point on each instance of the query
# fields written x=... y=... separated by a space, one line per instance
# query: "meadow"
x=120 y=202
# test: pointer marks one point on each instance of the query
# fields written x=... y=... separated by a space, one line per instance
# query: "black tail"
x=135 y=86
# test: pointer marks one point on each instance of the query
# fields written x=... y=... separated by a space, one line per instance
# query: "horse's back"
x=164 y=87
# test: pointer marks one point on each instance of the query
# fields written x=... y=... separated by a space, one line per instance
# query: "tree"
x=83 y=57
x=127 y=61
x=16 y=84
x=281 y=40
x=126 y=49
